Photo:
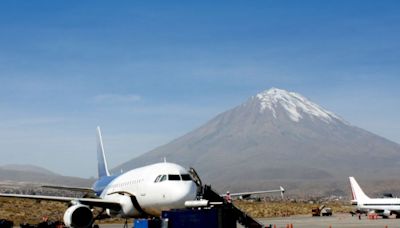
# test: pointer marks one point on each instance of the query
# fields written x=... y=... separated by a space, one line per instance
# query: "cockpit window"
x=186 y=177
x=173 y=177
x=157 y=179
x=163 y=178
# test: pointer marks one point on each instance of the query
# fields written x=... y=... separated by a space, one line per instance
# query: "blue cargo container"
x=147 y=223
x=191 y=218
x=210 y=218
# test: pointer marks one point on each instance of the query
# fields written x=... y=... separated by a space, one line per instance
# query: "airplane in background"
x=140 y=192
x=381 y=206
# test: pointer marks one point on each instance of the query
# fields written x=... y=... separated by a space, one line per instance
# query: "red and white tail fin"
x=358 y=194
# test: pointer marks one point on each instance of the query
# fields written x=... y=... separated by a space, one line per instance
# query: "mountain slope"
x=278 y=137
x=38 y=175
x=27 y=168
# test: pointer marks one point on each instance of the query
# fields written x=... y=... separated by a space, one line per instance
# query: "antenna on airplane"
x=165 y=160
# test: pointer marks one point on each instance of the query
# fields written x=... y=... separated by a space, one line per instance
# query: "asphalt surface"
x=336 y=221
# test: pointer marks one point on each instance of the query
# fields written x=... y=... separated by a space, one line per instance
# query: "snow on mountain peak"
x=295 y=104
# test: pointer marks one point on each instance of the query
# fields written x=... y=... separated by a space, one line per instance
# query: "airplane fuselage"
x=148 y=190
x=390 y=204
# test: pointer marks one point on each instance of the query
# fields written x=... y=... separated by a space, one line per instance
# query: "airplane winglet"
x=102 y=167
x=282 y=191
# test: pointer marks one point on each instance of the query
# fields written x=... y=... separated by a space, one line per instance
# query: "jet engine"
x=78 y=216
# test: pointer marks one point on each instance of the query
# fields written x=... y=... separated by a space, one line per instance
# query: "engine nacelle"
x=78 y=216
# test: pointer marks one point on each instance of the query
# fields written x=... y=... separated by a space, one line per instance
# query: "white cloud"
x=116 y=98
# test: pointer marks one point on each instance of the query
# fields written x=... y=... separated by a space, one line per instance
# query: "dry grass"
x=32 y=211
x=282 y=209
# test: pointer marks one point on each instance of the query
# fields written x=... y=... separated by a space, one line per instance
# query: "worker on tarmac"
x=228 y=197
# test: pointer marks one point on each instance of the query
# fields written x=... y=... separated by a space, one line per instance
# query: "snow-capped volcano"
x=294 y=104
x=278 y=136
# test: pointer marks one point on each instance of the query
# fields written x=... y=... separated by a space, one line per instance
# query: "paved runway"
x=336 y=221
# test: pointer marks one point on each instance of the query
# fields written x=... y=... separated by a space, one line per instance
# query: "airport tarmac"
x=335 y=221
x=307 y=221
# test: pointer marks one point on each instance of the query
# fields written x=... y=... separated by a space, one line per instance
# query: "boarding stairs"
x=207 y=193
x=240 y=216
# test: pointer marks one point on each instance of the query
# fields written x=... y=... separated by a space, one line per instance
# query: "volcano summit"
x=279 y=137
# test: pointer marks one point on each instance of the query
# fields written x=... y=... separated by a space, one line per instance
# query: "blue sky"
x=148 y=72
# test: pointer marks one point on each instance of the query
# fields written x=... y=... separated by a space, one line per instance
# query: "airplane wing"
x=85 y=201
x=75 y=189
x=247 y=194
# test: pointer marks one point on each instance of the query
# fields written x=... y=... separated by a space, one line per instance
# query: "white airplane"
x=381 y=206
x=141 y=192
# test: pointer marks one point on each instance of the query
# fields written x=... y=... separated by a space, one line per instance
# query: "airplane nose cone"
x=185 y=192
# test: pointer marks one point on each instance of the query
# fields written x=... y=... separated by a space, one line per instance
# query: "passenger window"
x=163 y=178
x=157 y=179
x=172 y=177
x=186 y=177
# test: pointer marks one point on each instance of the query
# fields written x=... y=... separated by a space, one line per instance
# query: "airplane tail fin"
x=102 y=167
x=358 y=193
